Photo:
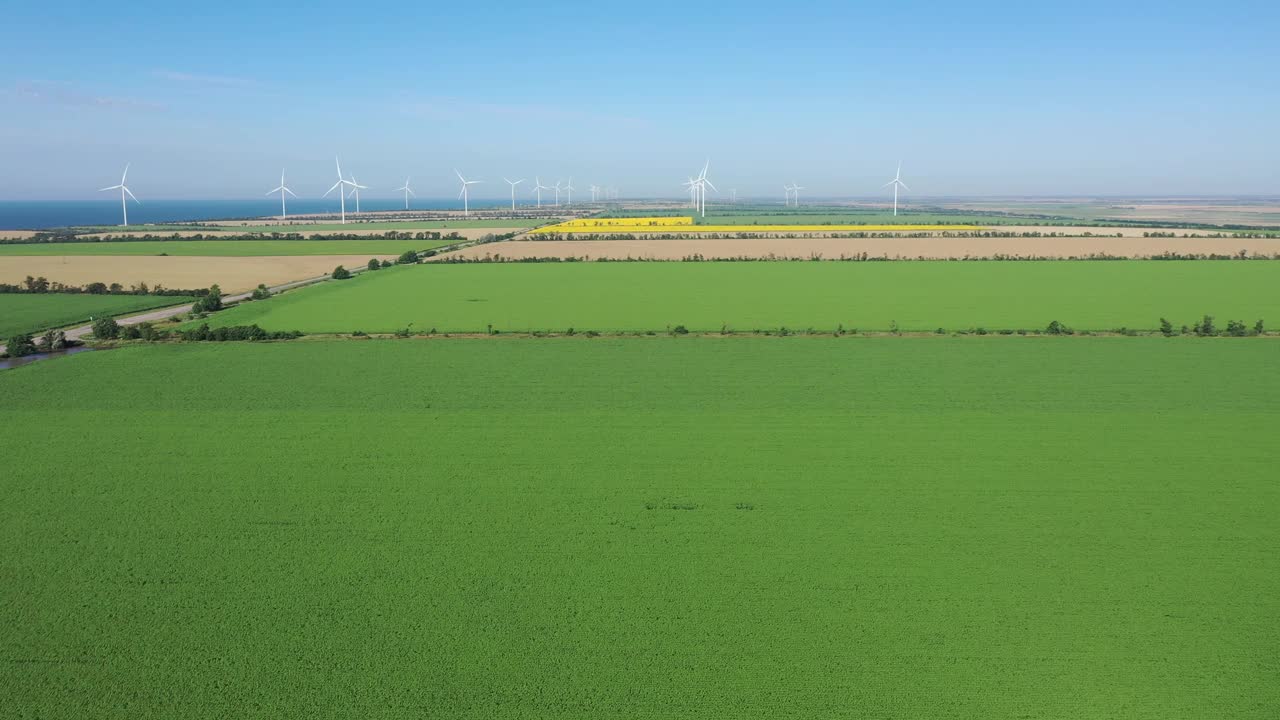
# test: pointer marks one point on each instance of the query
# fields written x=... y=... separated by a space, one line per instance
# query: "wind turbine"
x=795 y=190
x=355 y=190
x=466 y=197
x=407 y=192
x=896 y=182
x=693 y=192
x=569 y=189
x=538 y=187
x=513 y=191
x=123 y=189
x=703 y=184
x=342 y=195
x=557 y=189
x=282 y=190
x=595 y=192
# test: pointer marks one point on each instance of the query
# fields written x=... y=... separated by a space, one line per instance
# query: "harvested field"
x=228 y=248
x=835 y=248
x=232 y=273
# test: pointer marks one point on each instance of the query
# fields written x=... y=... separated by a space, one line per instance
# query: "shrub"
x=940 y=331
x=106 y=328
x=210 y=302
x=260 y=293
x=1235 y=328
x=386 y=263
x=374 y=264
x=340 y=273
x=1057 y=328
x=359 y=333
x=402 y=333
x=1258 y=329
x=980 y=331
x=1166 y=328
x=53 y=341
x=1205 y=327
x=20 y=346
x=679 y=330
x=410 y=257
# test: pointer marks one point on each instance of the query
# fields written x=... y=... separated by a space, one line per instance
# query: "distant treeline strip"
x=42 y=285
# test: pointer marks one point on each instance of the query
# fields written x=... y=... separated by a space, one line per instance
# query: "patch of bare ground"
x=233 y=274
x=891 y=247
x=15 y=234
x=360 y=231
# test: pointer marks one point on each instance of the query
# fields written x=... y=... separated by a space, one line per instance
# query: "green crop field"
x=28 y=313
x=227 y=248
x=748 y=296
x=644 y=528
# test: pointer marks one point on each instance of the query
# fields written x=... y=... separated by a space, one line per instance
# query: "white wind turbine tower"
x=703 y=184
x=787 y=197
x=595 y=192
x=342 y=195
x=123 y=189
x=282 y=190
x=538 y=187
x=569 y=189
x=464 y=194
x=896 y=182
x=692 y=185
x=557 y=189
x=355 y=190
x=795 y=190
x=407 y=192
x=513 y=191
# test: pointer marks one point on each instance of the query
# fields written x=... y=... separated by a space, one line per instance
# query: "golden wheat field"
x=685 y=225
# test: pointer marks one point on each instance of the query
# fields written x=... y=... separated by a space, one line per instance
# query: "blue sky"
x=976 y=98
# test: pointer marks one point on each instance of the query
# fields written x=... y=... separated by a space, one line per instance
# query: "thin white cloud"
x=66 y=94
x=187 y=78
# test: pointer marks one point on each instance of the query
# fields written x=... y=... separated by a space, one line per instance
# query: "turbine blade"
x=455 y=172
x=113 y=187
x=132 y=196
x=290 y=192
x=904 y=185
x=335 y=187
x=412 y=193
x=125 y=174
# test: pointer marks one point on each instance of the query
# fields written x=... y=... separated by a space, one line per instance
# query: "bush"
x=260 y=293
x=1166 y=328
x=1057 y=328
x=1258 y=329
x=210 y=302
x=340 y=273
x=53 y=341
x=1235 y=328
x=386 y=263
x=21 y=346
x=410 y=257
x=1205 y=327
x=374 y=264
x=106 y=328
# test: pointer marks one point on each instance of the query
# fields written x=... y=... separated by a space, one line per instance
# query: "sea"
x=44 y=214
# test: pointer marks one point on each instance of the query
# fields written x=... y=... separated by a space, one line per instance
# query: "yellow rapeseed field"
x=684 y=225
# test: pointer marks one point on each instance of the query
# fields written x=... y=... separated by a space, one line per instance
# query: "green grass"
x=230 y=248
x=1094 y=295
x=644 y=528
x=29 y=313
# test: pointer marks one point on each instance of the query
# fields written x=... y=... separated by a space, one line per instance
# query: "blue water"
x=36 y=215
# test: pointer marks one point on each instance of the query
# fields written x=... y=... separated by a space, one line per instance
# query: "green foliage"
x=876 y=528
x=409 y=257
x=20 y=345
x=1057 y=328
x=920 y=296
x=105 y=328
x=1205 y=327
x=262 y=292
x=340 y=273
x=211 y=302
x=1166 y=328
x=374 y=264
